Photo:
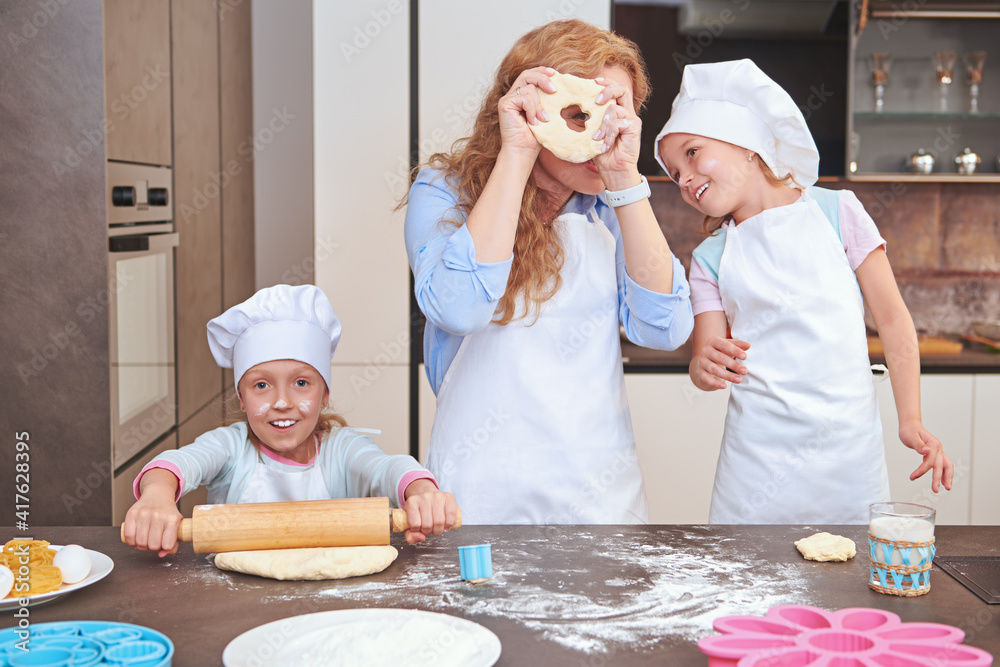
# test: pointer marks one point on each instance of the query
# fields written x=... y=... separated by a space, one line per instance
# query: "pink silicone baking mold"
x=803 y=636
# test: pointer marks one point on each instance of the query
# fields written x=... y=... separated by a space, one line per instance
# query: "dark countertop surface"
x=975 y=358
x=560 y=595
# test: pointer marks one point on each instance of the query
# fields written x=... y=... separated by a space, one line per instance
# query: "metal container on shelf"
x=920 y=162
x=967 y=162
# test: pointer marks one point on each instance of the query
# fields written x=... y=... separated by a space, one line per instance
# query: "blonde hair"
x=711 y=224
x=570 y=47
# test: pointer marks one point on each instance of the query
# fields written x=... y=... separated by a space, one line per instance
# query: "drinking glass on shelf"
x=880 y=64
x=944 y=63
x=974 y=61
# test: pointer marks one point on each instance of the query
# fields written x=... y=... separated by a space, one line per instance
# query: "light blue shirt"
x=352 y=465
x=458 y=295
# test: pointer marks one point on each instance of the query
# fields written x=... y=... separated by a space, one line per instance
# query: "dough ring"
x=309 y=564
x=564 y=142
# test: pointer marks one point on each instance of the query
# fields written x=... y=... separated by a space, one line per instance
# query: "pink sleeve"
x=857 y=229
x=704 y=289
x=166 y=465
x=411 y=477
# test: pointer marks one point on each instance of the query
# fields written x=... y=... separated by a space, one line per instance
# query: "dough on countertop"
x=311 y=564
x=826 y=547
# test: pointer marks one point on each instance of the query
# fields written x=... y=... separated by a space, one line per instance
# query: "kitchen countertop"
x=975 y=358
x=560 y=595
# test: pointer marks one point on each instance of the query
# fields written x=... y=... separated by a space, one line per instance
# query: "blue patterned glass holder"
x=909 y=578
x=900 y=548
x=476 y=562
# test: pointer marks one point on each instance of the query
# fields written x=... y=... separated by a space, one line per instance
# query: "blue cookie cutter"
x=476 y=562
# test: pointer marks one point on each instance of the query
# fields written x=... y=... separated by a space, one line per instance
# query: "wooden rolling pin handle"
x=399 y=523
x=185 y=530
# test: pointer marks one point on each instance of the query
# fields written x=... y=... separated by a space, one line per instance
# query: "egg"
x=6 y=581
x=74 y=563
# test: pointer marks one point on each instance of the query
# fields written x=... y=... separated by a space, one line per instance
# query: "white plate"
x=365 y=637
x=100 y=567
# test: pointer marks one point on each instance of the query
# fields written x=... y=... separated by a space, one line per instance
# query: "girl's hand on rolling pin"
x=521 y=106
x=916 y=437
x=718 y=359
x=151 y=524
x=428 y=511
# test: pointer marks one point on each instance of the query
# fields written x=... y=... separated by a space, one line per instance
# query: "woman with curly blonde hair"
x=524 y=272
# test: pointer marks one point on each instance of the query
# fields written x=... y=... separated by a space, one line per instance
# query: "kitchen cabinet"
x=90 y=82
x=198 y=219
x=137 y=81
x=678 y=433
x=946 y=409
x=985 y=462
x=915 y=114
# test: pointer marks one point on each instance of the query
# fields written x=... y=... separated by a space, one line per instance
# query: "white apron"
x=532 y=423
x=803 y=440
x=269 y=484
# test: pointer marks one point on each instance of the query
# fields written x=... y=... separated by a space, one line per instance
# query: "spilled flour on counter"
x=655 y=592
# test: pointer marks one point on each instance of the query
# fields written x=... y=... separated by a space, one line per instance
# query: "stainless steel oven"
x=141 y=247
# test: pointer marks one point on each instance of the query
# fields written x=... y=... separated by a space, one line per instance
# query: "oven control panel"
x=138 y=198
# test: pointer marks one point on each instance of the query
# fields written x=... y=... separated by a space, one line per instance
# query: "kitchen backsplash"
x=943 y=240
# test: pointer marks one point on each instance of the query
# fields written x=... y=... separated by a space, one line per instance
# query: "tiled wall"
x=943 y=241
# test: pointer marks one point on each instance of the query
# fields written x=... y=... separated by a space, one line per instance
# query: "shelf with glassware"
x=922 y=104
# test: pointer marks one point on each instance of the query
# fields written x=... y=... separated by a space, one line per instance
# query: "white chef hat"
x=280 y=322
x=735 y=102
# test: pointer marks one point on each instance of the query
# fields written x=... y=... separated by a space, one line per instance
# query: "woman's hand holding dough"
x=521 y=107
x=621 y=131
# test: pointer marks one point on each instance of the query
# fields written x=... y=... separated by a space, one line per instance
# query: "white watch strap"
x=629 y=196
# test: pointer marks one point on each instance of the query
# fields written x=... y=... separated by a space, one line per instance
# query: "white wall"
x=361 y=76
x=283 y=127
x=452 y=88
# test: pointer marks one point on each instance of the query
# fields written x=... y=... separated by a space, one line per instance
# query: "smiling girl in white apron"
x=279 y=344
x=524 y=267
x=788 y=270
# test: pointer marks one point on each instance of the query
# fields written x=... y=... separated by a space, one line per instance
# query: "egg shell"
x=6 y=581
x=74 y=563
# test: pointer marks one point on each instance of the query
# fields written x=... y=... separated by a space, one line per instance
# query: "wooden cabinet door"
x=197 y=201
x=137 y=81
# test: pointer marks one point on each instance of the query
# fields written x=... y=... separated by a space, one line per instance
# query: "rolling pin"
x=348 y=522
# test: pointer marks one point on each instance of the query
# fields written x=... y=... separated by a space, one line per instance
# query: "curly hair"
x=570 y=47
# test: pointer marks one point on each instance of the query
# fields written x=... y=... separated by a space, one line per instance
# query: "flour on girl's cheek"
x=262 y=410
x=305 y=407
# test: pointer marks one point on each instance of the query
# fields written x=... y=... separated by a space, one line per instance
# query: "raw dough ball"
x=564 y=142
x=317 y=563
x=826 y=547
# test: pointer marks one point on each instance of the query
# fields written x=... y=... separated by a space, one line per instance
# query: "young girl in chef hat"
x=279 y=344
x=788 y=268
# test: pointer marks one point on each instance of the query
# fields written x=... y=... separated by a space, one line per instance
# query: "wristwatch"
x=628 y=196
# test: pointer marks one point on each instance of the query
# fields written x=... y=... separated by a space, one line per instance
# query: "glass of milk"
x=901 y=548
